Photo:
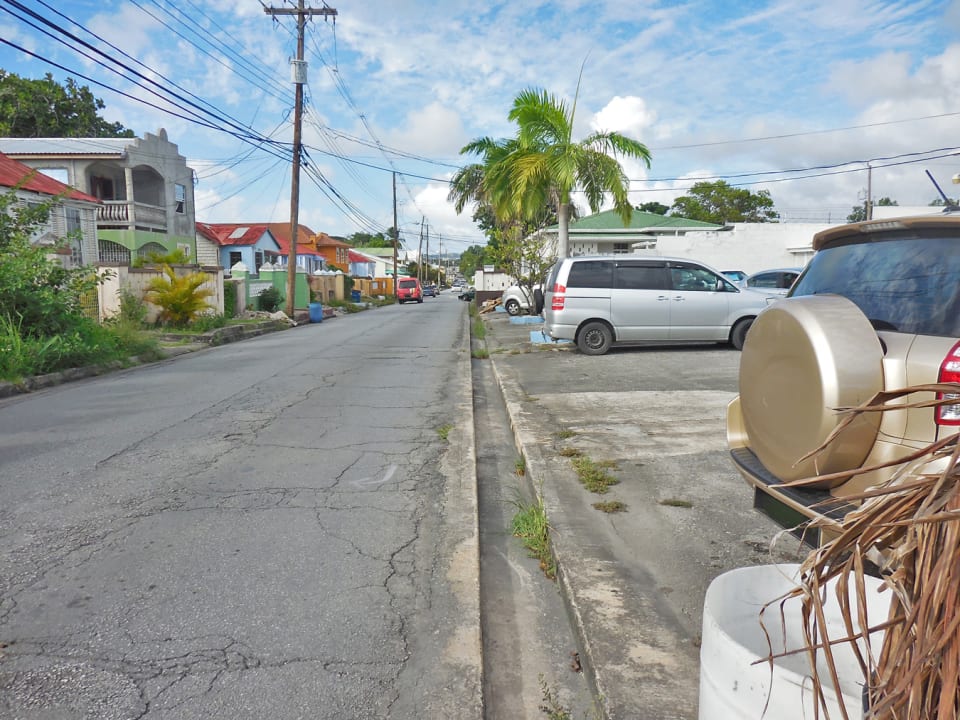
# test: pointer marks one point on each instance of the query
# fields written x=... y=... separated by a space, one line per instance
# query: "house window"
x=180 y=192
x=621 y=248
x=258 y=260
x=72 y=216
x=235 y=257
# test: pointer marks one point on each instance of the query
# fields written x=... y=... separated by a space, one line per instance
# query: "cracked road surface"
x=271 y=529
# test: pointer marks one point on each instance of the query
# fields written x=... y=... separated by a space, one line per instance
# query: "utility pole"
x=868 y=215
x=420 y=251
x=439 y=257
x=426 y=269
x=299 y=78
x=396 y=236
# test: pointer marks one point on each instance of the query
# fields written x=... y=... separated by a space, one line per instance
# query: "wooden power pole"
x=299 y=78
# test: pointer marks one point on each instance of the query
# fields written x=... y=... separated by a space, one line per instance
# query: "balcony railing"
x=126 y=213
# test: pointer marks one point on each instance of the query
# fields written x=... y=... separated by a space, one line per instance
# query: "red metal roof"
x=227 y=234
x=13 y=172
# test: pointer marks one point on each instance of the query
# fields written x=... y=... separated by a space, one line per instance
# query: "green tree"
x=859 y=212
x=39 y=295
x=373 y=240
x=544 y=165
x=719 y=202
x=472 y=259
x=45 y=108
x=654 y=207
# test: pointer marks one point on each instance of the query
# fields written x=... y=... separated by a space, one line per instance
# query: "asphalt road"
x=279 y=528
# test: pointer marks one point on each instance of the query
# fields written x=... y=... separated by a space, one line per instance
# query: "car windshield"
x=901 y=282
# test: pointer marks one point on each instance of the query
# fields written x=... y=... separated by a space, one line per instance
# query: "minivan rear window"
x=640 y=277
x=908 y=284
x=590 y=274
x=408 y=283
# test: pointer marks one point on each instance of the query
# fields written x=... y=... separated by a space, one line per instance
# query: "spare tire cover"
x=803 y=358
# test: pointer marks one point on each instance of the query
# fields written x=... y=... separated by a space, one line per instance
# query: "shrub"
x=270 y=299
x=230 y=299
x=180 y=298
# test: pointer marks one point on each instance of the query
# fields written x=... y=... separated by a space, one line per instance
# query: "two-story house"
x=144 y=186
x=71 y=228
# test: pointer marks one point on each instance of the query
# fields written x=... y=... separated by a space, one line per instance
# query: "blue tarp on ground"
x=526 y=319
x=538 y=338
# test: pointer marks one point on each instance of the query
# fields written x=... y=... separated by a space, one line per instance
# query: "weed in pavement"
x=611 y=506
x=570 y=452
x=444 y=430
x=564 y=434
x=531 y=526
x=594 y=475
x=480 y=354
x=676 y=502
x=520 y=467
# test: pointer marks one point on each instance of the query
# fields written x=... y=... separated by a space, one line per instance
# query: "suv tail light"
x=559 y=297
x=949 y=372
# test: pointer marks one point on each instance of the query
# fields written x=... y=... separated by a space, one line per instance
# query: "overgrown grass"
x=593 y=475
x=531 y=526
x=479 y=328
x=86 y=344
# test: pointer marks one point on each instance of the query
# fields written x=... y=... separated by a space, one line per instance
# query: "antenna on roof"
x=949 y=205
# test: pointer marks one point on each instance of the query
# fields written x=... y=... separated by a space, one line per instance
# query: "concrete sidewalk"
x=634 y=581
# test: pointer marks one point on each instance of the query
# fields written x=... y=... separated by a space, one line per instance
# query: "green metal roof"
x=639 y=220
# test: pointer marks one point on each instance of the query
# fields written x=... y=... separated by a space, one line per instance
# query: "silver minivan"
x=602 y=300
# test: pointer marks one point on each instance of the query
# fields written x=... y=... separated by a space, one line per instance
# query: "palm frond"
x=910 y=526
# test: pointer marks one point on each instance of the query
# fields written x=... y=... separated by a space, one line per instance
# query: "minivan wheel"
x=738 y=335
x=594 y=338
x=512 y=307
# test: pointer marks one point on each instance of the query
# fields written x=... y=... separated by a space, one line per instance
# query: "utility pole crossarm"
x=307 y=12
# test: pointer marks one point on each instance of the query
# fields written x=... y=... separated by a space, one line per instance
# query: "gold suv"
x=877 y=309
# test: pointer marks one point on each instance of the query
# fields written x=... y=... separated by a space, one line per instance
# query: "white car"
x=519 y=299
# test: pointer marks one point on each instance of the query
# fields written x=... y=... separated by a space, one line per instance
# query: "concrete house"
x=253 y=245
x=71 y=228
x=143 y=184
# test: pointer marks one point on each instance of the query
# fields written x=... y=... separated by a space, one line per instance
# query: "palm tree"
x=544 y=165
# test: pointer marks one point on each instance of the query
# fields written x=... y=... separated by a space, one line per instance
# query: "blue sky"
x=792 y=96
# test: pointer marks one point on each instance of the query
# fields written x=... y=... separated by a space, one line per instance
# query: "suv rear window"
x=900 y=281
x=591 y=274
x=408 y=283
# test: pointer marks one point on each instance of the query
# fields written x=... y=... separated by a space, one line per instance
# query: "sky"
x=810 y=100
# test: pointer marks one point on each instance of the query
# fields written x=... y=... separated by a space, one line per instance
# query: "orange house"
x=334 y=251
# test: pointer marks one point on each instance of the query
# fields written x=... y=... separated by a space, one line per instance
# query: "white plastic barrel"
x=731 y=686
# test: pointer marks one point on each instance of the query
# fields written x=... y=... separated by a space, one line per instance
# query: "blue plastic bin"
x=355 y=295
x=316 y=312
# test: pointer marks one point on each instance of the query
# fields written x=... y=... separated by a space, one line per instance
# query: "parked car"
x=409 y=289
x=599 y=301
x=467 y=294
x=430 y=290
x=776 y=281
x=519 y=299
x=738 y=276
x=877 y=309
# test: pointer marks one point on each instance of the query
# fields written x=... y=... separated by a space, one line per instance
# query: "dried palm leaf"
x=910 y=527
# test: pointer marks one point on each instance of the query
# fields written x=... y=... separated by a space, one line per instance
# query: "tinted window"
x=591 y=274
x=692 y=277
x=640 y=277
x=903 y=283
x=408 y=283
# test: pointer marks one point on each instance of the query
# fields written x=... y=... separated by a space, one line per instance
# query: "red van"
x=409 y=288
